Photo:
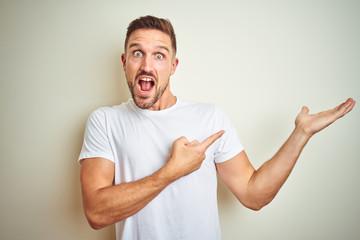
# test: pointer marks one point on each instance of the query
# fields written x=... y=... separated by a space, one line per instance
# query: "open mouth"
x=146 y=84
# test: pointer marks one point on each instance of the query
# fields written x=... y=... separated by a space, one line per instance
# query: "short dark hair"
x=151 y=22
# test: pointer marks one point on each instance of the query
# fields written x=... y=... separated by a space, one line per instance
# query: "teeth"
x=146 y=79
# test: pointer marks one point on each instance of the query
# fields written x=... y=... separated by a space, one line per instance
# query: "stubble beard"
x=140 y=101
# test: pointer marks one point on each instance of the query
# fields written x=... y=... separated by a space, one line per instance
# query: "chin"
x=144 y=104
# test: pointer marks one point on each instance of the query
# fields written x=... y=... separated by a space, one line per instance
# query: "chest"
x=142 y=145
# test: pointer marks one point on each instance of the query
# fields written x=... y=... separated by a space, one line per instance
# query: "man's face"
x=148 y=62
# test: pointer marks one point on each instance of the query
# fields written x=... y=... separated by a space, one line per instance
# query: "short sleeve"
x=96 y=142
x=229 y=143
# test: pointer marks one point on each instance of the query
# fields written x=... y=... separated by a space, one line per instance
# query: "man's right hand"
x=187 y=157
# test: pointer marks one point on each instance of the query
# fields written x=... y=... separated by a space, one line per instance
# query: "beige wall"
x=258 y=60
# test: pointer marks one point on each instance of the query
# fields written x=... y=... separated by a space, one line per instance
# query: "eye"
x=137 y=54
x=159 y=56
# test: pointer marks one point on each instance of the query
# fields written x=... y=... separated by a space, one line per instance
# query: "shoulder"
x=110 y=112
x=100 y=114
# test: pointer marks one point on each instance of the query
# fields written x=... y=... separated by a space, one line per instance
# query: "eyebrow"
x=131 y=45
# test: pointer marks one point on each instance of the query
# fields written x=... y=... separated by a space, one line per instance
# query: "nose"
x=147 y=64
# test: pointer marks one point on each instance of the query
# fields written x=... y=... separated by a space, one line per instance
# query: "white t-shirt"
x=139 y=142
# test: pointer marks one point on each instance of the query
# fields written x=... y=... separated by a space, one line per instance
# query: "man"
x=150 y=164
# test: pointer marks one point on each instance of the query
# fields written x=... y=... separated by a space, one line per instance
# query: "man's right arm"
x=105 y=203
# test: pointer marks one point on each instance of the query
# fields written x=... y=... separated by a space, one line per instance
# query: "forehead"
x=149 y=38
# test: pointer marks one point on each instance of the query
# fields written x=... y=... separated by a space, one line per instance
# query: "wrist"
x=168 y=173
x=302 y=133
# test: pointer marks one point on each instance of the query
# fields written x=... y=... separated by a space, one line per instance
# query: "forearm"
x=115 y=203
x=265 y=183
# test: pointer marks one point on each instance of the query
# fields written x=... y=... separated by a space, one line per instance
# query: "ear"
x=174 y=65
x=123 y=59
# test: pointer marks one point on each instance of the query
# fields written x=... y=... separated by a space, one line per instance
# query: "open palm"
x=313 y=123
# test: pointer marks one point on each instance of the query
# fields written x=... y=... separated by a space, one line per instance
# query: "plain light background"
x=260 y=61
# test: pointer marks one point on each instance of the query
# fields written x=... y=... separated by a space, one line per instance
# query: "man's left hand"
x=313 y=123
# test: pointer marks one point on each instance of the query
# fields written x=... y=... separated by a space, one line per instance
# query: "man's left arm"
x=256 y=188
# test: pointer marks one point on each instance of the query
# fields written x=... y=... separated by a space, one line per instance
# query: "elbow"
x=95 y=225
x=99 y=220
x=258 y=198
x=254 y=207
x=96 y=221
x=256 y=204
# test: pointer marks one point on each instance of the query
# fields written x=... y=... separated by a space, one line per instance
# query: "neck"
x=165 y=101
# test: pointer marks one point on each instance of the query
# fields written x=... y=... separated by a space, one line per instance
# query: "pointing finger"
x=210 y=140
